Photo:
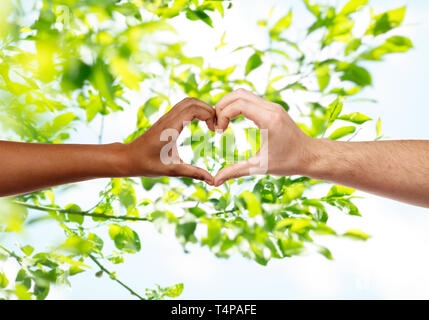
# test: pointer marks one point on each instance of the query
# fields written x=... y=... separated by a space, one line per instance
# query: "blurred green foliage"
x=65 y=63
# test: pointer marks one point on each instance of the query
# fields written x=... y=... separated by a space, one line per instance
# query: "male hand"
x=287 y=146
x=146 y=152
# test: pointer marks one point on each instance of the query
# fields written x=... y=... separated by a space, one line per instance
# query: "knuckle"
x=276 y=117
x=192 y=100
x=194 y=109
x=241 y=91
x=192 y=106
x=212 y=110
x=240 y=102
x=277 y=106
x=187 y=102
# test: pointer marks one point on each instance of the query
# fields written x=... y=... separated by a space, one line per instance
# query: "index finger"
x=247 y=108
x=236 y=95
x=192 y=108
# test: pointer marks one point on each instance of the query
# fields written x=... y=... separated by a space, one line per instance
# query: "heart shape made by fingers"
x=224 y=155
x=286 y=137
x=220 y=150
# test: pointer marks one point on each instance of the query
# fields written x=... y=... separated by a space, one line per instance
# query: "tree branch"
x=12 y=254
x=81 y=213
x=113 y=277
x=223 y=212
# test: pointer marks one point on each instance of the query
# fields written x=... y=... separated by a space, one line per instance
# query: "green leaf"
x=281 y=25
x=342 y=132
x=23 y=278
x=290 y=247
x=334 y=110
x=352 y=46
x=393 y=44
x=78 y=218
x=136 y=32
x=172 y=195
x=255 y=61
x=340 y=29
x=252 y=203
x=296 y=86
x=323 y=76
x=28 y=250
x=198 y=212
x=313 y=8
x=102 y=80
x=344 y=204
x=214 y=227
x=186 y=230
x=386 y=21
x=200 y=194
x=293 y=192
x=74 y=244
x=22 y=293
x=265 y=191
x=74 y=75
x=149 y=183
x=354 y=73
x=378 y=127
x=93 y=106
x=356 y=235
x=222 y=42
x=353 y=6
x=326 y=253
x=151 y=106
x=3 y=280
x=340 y=191
x=124 y=238
x=170 y=12
x=41 y=290
x=355 y=117
x=127 y=196
x=98 y=243
x=116 y=259
x=174 y=291
x=199 y=15
x=73 y=270
x=60 y=123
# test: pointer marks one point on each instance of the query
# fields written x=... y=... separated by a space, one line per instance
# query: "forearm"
x=27 y=167
x=395 y=169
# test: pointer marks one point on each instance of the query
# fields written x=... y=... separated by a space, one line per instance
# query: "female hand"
x=155 y=153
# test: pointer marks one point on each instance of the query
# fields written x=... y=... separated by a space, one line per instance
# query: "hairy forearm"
x=27 y=167
x=395 y=169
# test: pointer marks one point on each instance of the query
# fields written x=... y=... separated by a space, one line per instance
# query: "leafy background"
x=354 y=271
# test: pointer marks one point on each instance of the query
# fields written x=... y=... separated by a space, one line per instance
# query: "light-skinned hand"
x=287 y=146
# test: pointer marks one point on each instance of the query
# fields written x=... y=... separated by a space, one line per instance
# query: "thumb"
x=233 y=171
x=190 y=171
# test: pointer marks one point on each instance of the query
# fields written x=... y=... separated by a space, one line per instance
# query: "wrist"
x=317 y=158
x=119 y=160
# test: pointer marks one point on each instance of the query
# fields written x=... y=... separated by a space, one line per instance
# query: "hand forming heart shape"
x=285 y=138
